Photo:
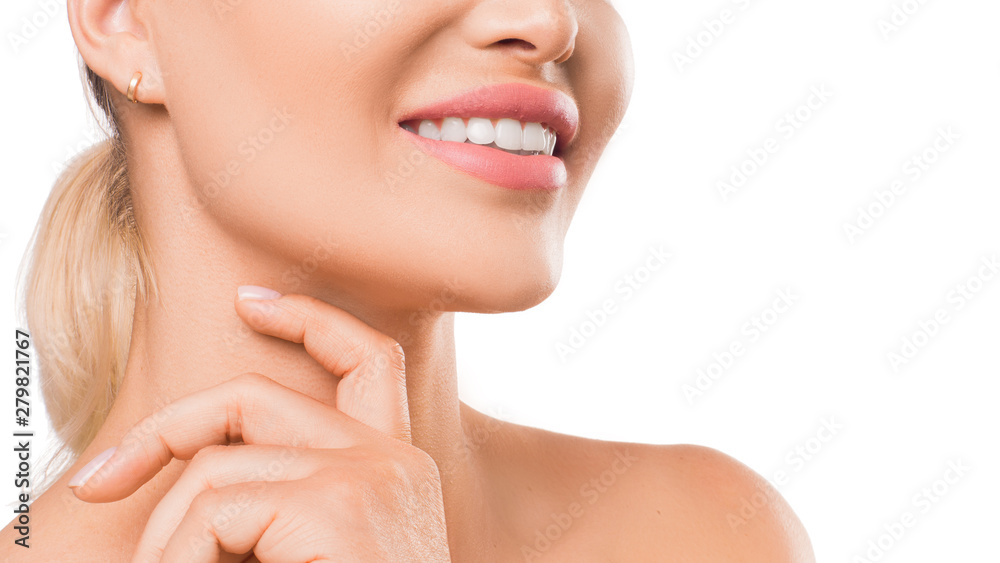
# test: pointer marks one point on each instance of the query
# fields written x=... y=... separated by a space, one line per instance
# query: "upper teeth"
x=506 y=134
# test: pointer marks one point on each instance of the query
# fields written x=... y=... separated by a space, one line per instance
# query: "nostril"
x=512 y=42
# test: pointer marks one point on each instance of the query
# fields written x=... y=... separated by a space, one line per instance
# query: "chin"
x=509 y=290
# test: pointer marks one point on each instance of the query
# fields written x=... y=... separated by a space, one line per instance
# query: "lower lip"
x=516 y=172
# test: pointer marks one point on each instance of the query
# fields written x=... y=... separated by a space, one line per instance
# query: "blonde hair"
x=86 y=265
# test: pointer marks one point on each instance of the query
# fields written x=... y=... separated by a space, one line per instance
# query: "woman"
x=243 y=302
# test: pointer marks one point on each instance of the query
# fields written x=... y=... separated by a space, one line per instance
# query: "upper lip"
x=515 y=100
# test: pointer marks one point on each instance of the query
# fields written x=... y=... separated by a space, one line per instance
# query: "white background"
x=826 y=358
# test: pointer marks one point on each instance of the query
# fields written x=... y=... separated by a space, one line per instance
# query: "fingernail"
x=256 y=292
x=88 y=470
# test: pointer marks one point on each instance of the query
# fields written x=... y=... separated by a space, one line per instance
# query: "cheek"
x=266 y=98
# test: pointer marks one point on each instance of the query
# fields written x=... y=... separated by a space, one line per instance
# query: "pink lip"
x=525 y=103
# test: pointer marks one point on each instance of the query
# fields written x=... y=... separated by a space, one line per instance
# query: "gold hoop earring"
x=132 y=86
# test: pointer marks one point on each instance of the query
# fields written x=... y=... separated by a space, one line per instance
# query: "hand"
x=280 y=473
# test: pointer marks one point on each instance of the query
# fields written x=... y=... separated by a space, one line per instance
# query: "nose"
x=533 y=31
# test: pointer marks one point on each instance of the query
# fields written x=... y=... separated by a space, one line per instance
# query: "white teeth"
x=481 y=131
x=429 y=130
x=548 y=140
x=509 y=135
x=453 y=129
x=533 y=137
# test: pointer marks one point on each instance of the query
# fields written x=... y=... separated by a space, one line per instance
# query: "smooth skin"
x=266 y=151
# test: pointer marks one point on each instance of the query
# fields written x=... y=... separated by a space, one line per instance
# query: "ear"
x=113 y=39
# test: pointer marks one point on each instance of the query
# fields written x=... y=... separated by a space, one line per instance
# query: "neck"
x=190 y=338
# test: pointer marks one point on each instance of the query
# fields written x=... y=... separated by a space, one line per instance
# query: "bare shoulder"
x=63 y=528
x=620 y=501
x=709 y=505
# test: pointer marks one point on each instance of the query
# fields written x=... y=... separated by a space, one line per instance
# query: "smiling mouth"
x=505 y=134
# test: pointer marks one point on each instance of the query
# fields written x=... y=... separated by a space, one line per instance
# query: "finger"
x=250 y=408
x=242 y=517
x=373 y=388
x=215 y=467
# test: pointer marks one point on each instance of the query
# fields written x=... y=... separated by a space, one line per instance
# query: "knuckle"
x=395 y=469
x=205 y=456
x=395 y=354
x=338 y=486
x=387 y=355
x=205 y=503
x=422 y=461
x=408 y=465
x=250 y=382
x=307 y=304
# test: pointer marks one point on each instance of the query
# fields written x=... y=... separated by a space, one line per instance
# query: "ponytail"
x=86 y=267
